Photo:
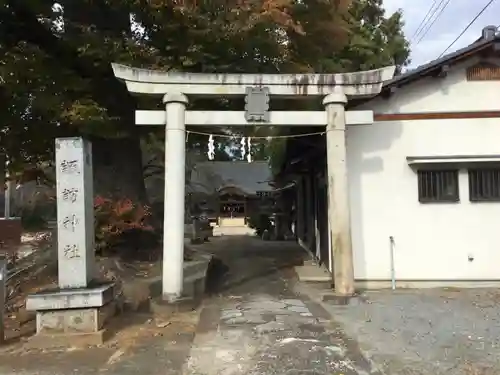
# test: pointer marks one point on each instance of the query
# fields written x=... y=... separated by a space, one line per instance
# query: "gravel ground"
x=431 y=331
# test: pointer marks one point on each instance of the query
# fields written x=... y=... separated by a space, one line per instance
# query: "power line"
x=424 y=29
x=430 y=14
x=417 y=30
x=467 y=27
x=434 y=21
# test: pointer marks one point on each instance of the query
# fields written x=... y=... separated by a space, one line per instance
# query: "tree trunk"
x=118 y=169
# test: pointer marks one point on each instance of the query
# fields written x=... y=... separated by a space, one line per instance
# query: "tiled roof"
x=213 y=176
x=420 y=71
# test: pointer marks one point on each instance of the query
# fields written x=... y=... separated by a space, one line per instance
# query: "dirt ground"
x=38 y=270
x=429 y=331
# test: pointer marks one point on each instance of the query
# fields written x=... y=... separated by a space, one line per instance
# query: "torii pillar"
x=339 y=221
x=175 y=180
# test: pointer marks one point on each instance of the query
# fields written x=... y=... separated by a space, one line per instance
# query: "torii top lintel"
x=153 y=82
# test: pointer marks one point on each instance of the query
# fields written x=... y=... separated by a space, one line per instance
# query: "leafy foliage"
x=374 y=40
x=115 y=219
x=56 y=78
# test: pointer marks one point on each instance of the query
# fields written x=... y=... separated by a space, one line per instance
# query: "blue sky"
x=448 y=26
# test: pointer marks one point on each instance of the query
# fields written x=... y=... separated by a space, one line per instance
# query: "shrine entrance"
x=232 y=209
x=258 y=89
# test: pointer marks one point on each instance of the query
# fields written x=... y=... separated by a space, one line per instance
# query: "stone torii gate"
x=175 y=87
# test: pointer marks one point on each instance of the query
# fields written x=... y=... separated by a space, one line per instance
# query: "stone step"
x=310 y=271
x=233 y=231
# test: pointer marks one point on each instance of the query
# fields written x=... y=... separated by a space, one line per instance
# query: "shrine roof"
x=212 y=176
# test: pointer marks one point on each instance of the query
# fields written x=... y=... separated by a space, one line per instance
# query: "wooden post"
x=8 y=189
x=339 y=222
x=3 y=281
x=310 y=224
x=245 y=210
x=300 y=209
x=317 y=218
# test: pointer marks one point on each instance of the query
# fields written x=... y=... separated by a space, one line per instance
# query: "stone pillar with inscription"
x=75 y=213
x=79 y=307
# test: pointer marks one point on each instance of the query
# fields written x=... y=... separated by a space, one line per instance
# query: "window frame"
x=474 y=195
x=425 y=198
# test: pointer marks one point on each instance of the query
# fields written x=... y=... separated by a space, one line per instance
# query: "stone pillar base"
x=165 y=309
x=72 y=317
x=342 y=300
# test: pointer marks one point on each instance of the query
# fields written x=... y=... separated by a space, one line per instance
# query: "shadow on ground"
x=236 y=270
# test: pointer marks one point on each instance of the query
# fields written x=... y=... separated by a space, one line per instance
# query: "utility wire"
x=467 y=27
x=424 y=20
x=434 y=21
x=438 y=6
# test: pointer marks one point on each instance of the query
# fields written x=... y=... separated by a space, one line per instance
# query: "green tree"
x=67 y=88
x=69 y=51
x=375 y=39
x=348 y=36
x=342 y=36
x=57 y=79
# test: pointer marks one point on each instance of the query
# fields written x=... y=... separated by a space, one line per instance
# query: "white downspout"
x=393 y=267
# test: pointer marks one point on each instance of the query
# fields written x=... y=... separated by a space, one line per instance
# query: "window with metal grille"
x=484 y=185
x=438 y=186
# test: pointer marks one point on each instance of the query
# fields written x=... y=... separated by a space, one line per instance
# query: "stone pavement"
x=258 y=324
x=266 y=334
x=253 y=323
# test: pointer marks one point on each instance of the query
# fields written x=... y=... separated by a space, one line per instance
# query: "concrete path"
x=269 y=334
x=258 y=324
x=253 y=323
